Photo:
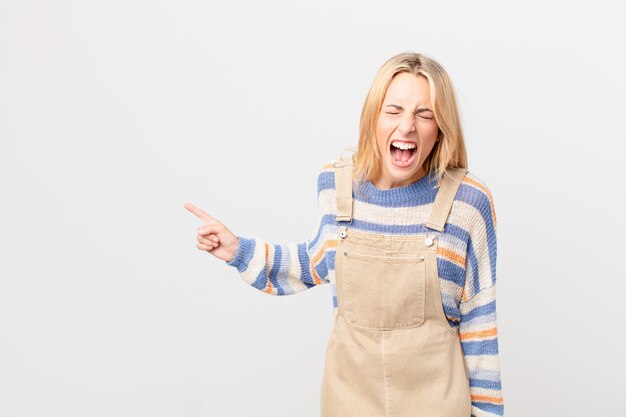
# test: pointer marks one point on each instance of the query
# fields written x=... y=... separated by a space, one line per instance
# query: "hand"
x=214 y=237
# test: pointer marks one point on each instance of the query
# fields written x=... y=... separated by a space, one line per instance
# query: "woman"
x=407 y=239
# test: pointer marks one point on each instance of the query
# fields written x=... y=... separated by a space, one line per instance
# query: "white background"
x=113 y=114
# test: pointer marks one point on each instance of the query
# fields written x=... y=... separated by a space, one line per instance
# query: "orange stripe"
x=480 y=334
x=316 y=279
x=268 y=288
x=451 y=255
x=486 y=399
x=477 y=184
x=319 y=256
x=314 y=262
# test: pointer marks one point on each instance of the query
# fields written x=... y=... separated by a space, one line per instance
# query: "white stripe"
x=483 y=297
x=489 y=362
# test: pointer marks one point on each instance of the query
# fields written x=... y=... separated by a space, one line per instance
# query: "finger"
x=206 y=241
x=207 y=229
x=204 y=247
x=211 y=236
x=201 y=214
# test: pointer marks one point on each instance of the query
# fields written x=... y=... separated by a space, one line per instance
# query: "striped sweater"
x=466 y=261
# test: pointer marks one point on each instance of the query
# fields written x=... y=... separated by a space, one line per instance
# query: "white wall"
x=113 y=114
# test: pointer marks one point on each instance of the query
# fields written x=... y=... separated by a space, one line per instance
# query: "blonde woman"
x=407 y=241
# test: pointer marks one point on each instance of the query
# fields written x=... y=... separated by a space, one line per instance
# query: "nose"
x=407 y=125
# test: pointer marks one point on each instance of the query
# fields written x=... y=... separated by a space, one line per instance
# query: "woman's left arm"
x=478 y=328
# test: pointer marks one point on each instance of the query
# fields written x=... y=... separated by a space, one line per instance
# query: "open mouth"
x=403 y=153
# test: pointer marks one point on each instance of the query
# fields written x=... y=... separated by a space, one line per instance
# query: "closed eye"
x=427 y=118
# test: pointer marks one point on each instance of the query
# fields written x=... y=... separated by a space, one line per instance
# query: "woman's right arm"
x=284 y=269
x=276 y=269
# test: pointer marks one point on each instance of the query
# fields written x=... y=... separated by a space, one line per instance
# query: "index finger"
x=199 y=213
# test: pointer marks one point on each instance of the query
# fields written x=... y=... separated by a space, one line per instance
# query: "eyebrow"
x=423 y=109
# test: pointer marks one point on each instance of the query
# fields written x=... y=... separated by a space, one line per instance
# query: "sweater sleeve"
x=478 y=328
x=283 y=269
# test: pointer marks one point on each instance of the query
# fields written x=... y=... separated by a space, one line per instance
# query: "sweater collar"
x=403 y=194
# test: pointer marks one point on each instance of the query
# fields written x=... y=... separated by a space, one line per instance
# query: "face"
x=407 y=120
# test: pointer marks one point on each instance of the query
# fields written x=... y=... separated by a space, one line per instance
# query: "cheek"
x=383 y=131
x=428 y=131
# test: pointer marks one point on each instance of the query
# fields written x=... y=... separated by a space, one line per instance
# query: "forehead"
x=409 y=89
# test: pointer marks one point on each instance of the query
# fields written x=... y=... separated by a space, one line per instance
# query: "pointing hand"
x=213 y=236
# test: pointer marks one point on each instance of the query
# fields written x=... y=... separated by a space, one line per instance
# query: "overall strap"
x=343 y=187
x=445 y=197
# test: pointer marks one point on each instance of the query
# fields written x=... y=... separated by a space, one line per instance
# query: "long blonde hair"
x=449 y=151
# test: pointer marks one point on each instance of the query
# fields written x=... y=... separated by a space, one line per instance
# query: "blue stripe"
x=472 y=262
x=275 y=269
x=330 y=258
x=485 y=383
x=244 y=254
x=304 y=260
x=261 y=280
x=450 y=271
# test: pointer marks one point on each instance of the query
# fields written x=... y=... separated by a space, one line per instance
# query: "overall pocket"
x=382 y=292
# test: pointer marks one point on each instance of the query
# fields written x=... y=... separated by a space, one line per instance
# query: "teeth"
x=403 y=145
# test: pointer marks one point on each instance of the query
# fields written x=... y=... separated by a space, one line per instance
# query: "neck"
x=386 y=184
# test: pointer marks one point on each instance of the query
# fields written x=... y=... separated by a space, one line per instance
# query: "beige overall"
x=391 y=352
